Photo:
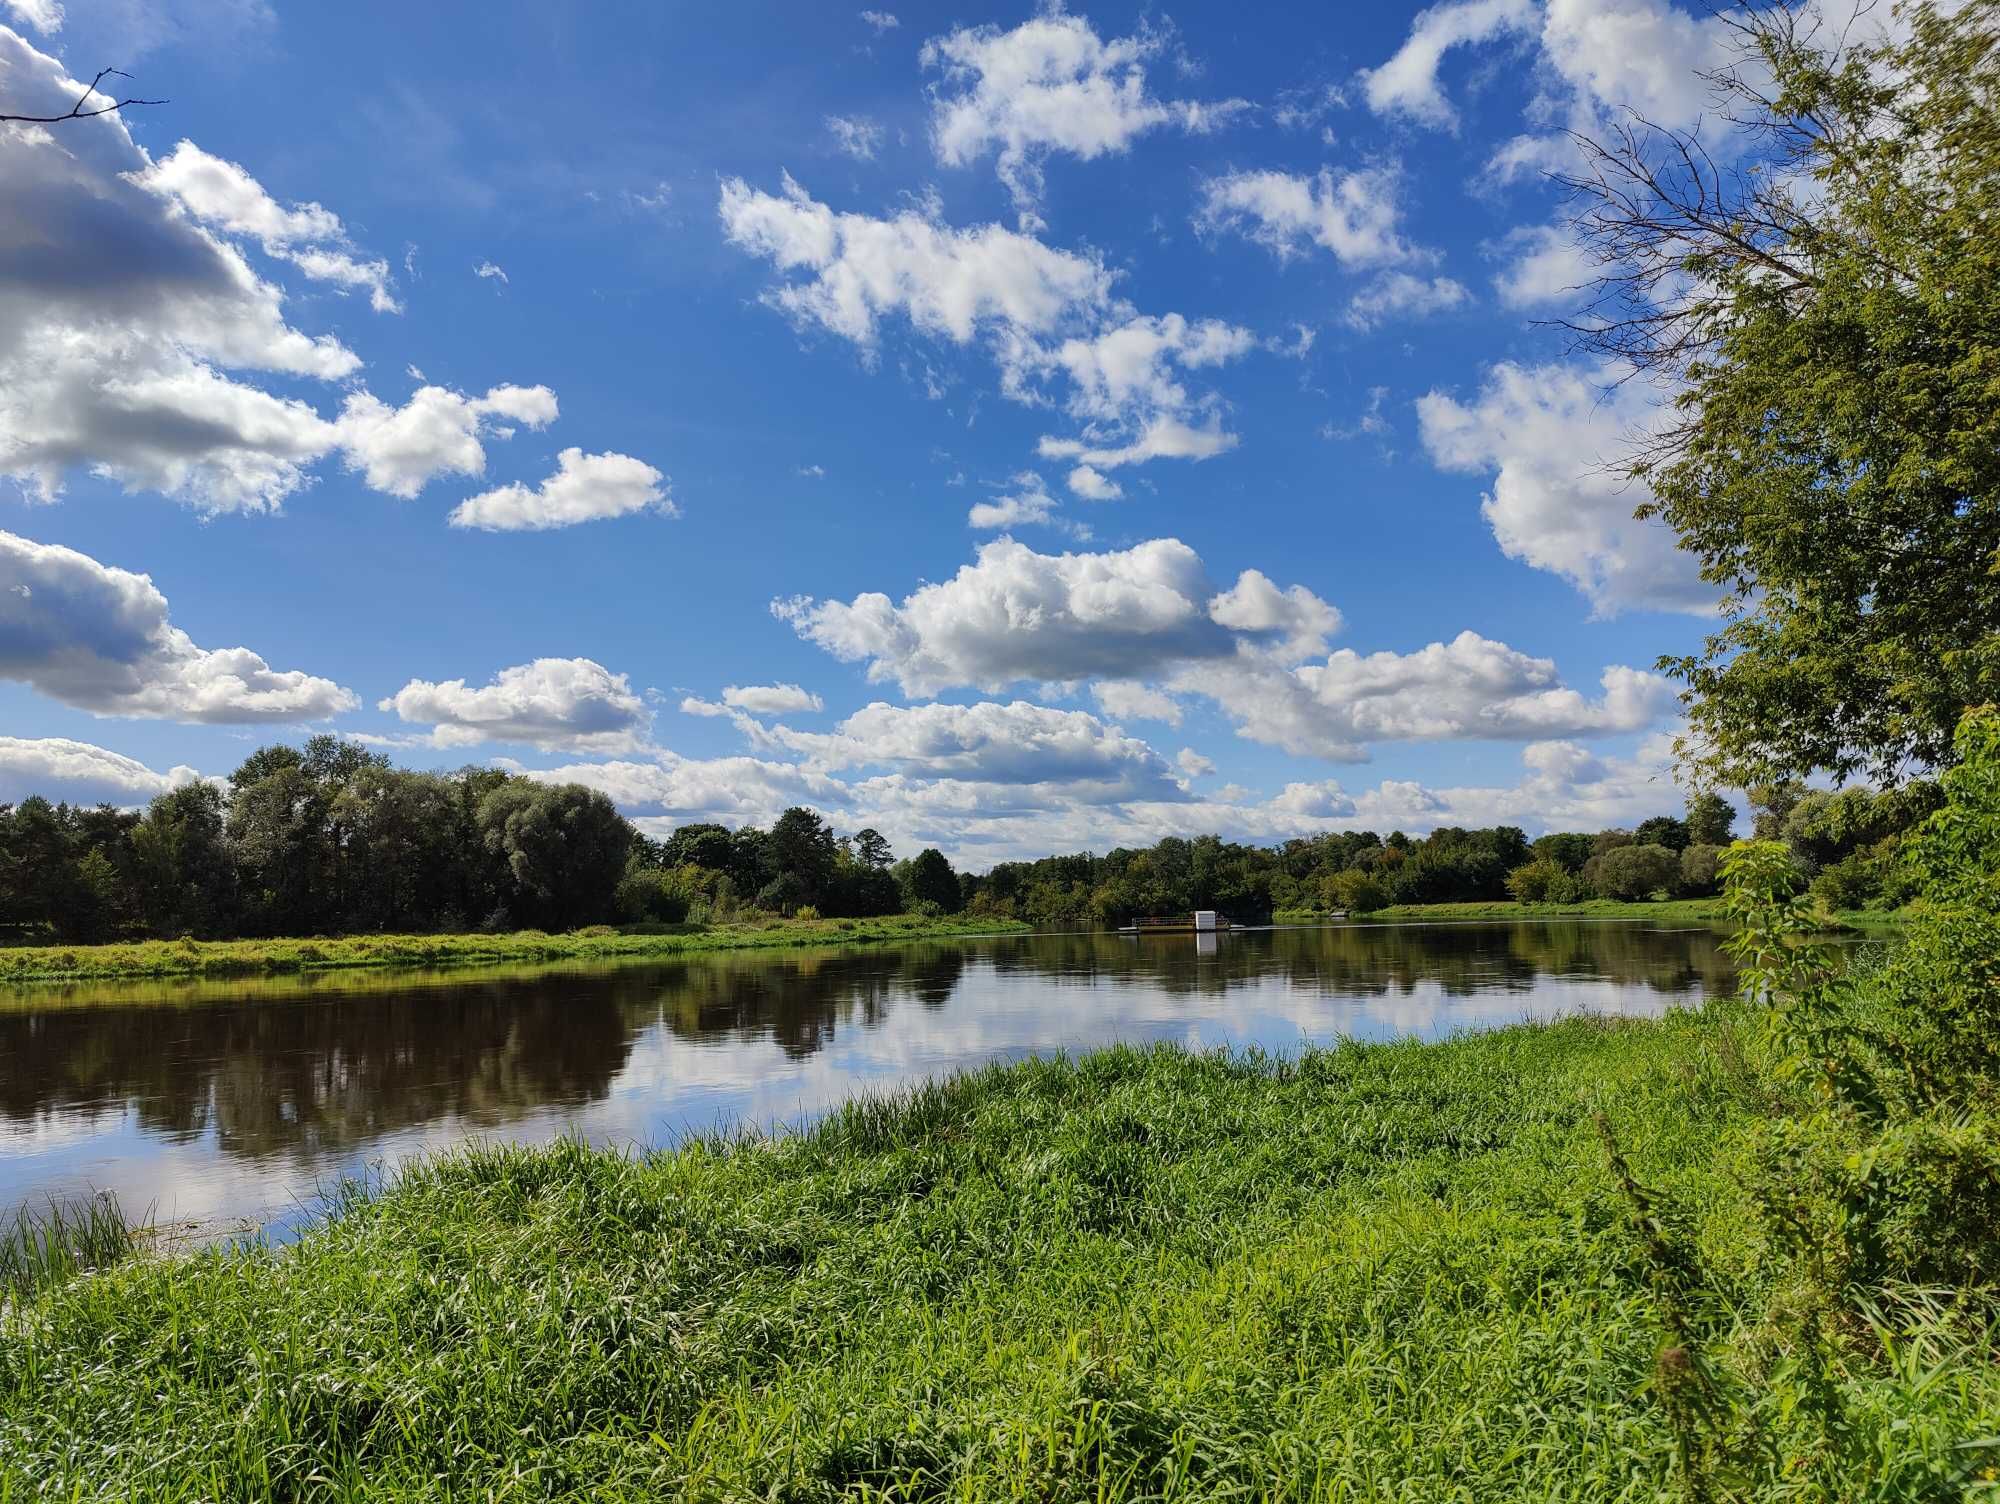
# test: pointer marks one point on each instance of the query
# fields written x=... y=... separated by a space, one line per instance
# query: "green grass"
x=52 y=1245
x=1696 y=910
x=1383 y=1272
x=226 y=958
x=1667 y=910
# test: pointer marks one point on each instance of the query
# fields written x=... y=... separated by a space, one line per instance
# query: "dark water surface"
x=235 y=1104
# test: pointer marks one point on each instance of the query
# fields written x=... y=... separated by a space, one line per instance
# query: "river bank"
x=1663 y=910
x=1379 y=1269
x=275 y=957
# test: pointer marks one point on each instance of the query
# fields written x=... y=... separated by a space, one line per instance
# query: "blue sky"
x=1060 y=429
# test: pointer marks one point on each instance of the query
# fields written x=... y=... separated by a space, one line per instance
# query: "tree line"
x=1844 y=843
x=330 y=838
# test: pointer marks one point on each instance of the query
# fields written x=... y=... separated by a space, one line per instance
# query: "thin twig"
x=77 y=110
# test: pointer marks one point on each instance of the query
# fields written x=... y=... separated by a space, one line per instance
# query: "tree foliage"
x=1823 y=291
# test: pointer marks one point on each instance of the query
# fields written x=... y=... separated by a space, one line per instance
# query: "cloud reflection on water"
x=225 y=1102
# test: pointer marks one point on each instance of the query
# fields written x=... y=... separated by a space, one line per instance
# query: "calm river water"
x=234 y=1105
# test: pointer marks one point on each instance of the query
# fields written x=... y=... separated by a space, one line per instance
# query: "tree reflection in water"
x=320 y=1067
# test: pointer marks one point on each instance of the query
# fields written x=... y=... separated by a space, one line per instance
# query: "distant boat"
x=1200 y=922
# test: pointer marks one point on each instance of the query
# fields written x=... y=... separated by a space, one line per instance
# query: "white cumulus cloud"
x=585 y=488
x=1047 y=316
x=1354 y=214
x=400 y=450
x=1163 y=437
x=136 y=339
x=1407 y=84
x=1545 y=267
x=1050 y=84
x=310 y=236
x=1015 y=615
x=567 y=704
x=1469 y=688
x=1398 y=294
x=1192 y=764
x=1123 y=699
x=45 y=16
x=1551 y=438
x=1016 y=743
x=771 y=699
x=949 y=283
x=98 y=638
x=1093 y=485
x=61 y=770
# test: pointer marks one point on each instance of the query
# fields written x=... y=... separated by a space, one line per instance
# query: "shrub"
x=1358 y=892
x=1532 y=882
x=1895 y=1173
x=1701 y=870
x=782 y=894
x=1849 y=884
x=1880 y=1189
x=644 y=897
x=1570 y=888
x=986 y=905
x=1633 y=872
x=805 y=911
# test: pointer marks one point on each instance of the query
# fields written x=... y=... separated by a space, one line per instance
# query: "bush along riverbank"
x=1744 y=1253
x=223 y=958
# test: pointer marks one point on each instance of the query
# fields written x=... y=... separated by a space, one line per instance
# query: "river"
x=231 y=1107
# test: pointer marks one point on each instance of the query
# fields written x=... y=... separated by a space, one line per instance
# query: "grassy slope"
x=1385 y=1272
x=172 y=958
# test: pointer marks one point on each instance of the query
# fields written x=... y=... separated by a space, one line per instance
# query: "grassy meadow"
x=1376 y=1272
x=279 y=957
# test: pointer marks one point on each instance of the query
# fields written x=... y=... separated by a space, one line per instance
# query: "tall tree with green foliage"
x=1711 y=819
x=564 y=846
x=182 y=863
x=1826 y=303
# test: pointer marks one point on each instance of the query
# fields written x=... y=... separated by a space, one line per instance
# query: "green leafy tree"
x=930 y=880
x=1710 y=819
x=1662 y=830
x=1701 y=870
x=564 y=847
x=184 y=869
x=1532 y=882
x=871 y=850
x=1358 y=892
x=97 y=902
x=1567 y=849
x=1633 y=872
x=801 y=850
x=700 y=845
x=1829 y=307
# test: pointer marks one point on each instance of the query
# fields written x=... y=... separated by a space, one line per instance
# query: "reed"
x=49 y=1245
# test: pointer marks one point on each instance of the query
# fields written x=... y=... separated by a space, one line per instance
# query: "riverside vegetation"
x=241 y=958
x=329 y=840
x=1744 y=1253
x=1740 y=1252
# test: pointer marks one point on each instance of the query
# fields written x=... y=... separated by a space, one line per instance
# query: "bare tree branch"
x=77 y=110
